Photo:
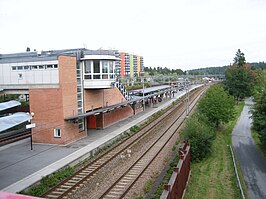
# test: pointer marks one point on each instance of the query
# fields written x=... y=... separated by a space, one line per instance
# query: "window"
x=49 y=66
x=34 y=67
x=87 y=66
x=96 y=66
x=111 y=67
x=105 y=76
x=96 y=76
x=14 y=68
x=41 y=67
x=57 y=133
x=20 y=75
x=55 y=66
x=26 y=67
x=87 y=76
x=104 y=66
x=19 y=68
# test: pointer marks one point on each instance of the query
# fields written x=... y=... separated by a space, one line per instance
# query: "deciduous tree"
x=217 y=105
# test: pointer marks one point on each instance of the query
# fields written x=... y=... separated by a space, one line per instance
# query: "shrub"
x=200 y=136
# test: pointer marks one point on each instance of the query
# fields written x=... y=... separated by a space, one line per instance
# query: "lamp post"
x=30 y=126
x=143 y=94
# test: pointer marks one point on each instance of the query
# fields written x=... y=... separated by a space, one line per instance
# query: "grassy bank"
x=214 y=177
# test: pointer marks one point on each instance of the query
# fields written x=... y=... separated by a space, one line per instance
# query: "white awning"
x=13 y=120
x=9 y=104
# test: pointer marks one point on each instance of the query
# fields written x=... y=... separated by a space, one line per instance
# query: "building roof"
x=9 y=104
x=50 y=55
x=150 y=89
x=13 y=120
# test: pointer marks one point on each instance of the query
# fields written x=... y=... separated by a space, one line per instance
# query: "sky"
x=184 y=34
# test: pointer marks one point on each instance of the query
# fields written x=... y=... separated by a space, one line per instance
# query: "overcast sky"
x=182 y=34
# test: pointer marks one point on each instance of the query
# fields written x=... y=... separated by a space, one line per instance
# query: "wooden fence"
x=178 y=181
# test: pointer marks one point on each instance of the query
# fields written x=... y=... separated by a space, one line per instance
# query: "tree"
x=239 y=59
x=217 y=105
x=259 y=118
x=239 y=77
x=259 y=110
x=199 y=135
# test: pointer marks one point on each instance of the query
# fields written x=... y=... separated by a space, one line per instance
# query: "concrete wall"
x=52 y=105
x=9 y=77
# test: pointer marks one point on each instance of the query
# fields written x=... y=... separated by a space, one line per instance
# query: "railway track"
x=121 y=186
x=82 y=177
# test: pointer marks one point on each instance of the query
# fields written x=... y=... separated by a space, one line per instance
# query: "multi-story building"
x=63 y=84
x=130 y=65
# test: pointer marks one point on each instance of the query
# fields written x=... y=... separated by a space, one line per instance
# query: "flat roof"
x=150 y=89
x=9 y=104
x=50 y=55
x=10 y=121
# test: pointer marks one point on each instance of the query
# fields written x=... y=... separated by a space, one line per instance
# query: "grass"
x=48 y=182
x=214 y=177
x=256 y=139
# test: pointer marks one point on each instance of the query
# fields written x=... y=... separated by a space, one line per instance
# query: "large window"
x=98 y=69
x=96 y=66
x=87 y=66
x=111 y=67
x=104 y=66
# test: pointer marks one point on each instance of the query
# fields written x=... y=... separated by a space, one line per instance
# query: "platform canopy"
x=9 y=104
x=150 y=89
x=10 y=121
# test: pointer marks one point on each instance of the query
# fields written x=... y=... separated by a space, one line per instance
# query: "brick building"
x=62 y=84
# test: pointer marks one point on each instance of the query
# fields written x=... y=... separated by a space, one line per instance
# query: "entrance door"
x=92 y=122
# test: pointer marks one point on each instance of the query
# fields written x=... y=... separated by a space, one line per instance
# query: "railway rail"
x=118 y=189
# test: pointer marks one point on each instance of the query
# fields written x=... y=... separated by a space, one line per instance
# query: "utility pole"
x=187 y=98
x=143 y=94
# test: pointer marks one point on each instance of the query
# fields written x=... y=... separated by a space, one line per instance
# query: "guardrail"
x=178 y=181
x=237 y=176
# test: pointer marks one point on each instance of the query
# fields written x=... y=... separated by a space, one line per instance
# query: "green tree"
x=200 y=136
x=239 y=77
x=239 y=59
x=217 y=105
x=259 y=117
x=259 y=110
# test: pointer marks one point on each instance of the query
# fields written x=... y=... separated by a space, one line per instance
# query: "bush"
x=200 y=136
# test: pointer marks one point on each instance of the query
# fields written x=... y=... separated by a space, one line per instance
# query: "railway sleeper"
x=57 y=192
x=51 y=196
x=64 y=186
x=62 y=189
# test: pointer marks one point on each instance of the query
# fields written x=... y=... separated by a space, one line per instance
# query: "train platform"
x=20 y=167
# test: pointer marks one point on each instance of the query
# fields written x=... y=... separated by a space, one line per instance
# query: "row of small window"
x=103 y=76
x=49 y=66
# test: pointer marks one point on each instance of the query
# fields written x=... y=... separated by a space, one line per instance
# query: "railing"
x=122 y=89
x=178 y=181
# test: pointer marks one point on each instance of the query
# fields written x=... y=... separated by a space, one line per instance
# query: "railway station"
x=22 y=167
x=71 y=92
x=76 y=106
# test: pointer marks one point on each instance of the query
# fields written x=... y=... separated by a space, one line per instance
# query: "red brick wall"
x=52 y=105
x=117 y=115
x=99 y=97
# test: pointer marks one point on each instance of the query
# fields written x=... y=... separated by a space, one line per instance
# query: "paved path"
x=252 y=163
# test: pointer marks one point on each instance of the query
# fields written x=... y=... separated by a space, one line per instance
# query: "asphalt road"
x=252 y=163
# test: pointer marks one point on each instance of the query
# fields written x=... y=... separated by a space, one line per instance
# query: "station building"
x=63 y=84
